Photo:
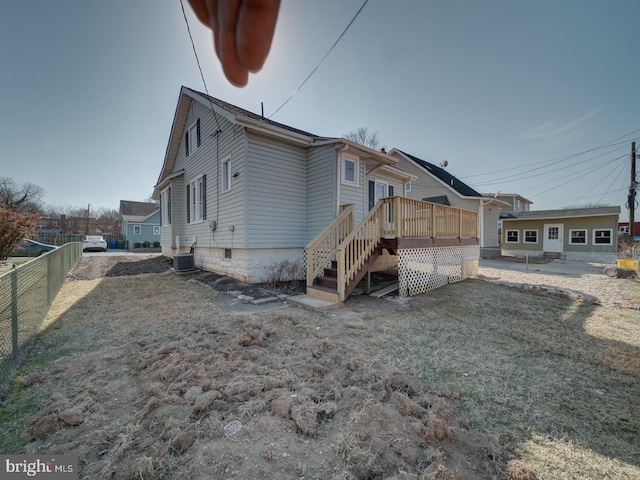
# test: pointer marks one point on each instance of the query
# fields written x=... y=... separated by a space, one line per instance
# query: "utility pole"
x=632 y=192
x=89 y=208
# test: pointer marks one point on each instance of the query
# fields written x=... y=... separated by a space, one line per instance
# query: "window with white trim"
x=530 y=236
x=165 y=206
x=195 y=200
x=603 y=236
x=512 y=236
x=226 y=175
x=578 y=236
x=137 y=230
x=350 y=170
x=156 y=230
x=407 y=187
x=192 y=138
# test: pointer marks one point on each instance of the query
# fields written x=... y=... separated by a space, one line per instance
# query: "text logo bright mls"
x=60 y=467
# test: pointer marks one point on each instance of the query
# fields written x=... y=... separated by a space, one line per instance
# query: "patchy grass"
x=556 y=382
x=139 y=375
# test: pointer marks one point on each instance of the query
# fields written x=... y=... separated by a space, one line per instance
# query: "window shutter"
x=162 y=199
x=186 y=143
x=188 y=204
x=391 y=190
x=198 y=132
x=372 y=194
x=204 y=197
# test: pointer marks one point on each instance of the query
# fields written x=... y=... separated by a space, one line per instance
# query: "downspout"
x=338 y=170
x=481 y=223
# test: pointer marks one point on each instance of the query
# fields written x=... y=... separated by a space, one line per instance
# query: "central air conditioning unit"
x=183 y=262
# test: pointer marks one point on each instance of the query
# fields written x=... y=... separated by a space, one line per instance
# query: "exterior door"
x=553 y=237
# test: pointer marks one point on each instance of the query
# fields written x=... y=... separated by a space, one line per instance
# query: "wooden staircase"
x=325 y=286
x=342 y=254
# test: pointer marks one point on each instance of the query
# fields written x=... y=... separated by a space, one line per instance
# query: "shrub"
x=278 y=273
x=156 y=244
x=137 y=245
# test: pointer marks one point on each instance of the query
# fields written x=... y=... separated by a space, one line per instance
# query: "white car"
x=94 y=242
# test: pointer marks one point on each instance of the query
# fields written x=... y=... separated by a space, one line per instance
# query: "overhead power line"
x=184 y=14
x=563 y=158
x=321 y=60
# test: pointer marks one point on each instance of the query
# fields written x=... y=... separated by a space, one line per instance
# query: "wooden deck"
x=341 y=255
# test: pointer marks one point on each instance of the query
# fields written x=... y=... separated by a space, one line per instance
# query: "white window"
x=603 y=236
x=513 y=236
x=530 y=236
x=156 y=230
x=407 y=187
x=192 y=138
x=577 y=237
x=226 y=175
x=350 y=171
x=137 y=230
x=165 y=206
x=195 y=200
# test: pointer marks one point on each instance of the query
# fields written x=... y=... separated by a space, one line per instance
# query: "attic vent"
x=183 y=262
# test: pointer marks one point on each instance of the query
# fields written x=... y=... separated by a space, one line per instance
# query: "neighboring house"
x=573 y=234
x=517 y=203
x=246 y=193
x=435 y=184
x=49 y=225
x=623 y=229
x=140 y=222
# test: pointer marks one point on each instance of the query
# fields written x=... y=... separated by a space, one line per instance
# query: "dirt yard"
x=145 y=376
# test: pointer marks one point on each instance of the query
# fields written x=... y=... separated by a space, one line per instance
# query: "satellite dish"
x=444 y=164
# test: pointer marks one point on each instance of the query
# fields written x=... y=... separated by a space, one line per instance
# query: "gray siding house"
x=246 y=192
x=435 y=184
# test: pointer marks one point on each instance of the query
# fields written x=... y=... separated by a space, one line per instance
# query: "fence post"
x=50 y=285
x=15 y=347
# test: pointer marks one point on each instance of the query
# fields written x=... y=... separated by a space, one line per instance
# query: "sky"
x=538 y=98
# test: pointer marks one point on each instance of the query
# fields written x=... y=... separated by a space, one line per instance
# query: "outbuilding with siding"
x=585 y=234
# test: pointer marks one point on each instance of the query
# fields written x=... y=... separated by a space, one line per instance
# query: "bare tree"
x=363 y=137
x=107 y=219
x=25 y=198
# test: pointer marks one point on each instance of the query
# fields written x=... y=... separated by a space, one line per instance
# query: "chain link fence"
x=26 y=293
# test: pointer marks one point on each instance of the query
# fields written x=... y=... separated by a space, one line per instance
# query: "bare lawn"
x=147 y=376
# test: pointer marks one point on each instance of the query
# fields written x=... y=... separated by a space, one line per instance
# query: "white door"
x=553 y=233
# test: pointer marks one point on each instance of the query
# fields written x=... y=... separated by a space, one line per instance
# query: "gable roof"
x=442 y=175
x=566 y=213
x=255 y=122
x=137 y=209
x=241 y=112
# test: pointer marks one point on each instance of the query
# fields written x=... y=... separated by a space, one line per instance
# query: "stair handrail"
x=322 y=249
x=356 y=248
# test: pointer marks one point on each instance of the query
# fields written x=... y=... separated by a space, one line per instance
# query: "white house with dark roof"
x=245 y=193
x=435 y=184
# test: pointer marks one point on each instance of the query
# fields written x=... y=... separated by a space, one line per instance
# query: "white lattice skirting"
x=424 y=269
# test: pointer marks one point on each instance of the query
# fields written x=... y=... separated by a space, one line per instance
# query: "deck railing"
x=322 y=249
x=391 y=217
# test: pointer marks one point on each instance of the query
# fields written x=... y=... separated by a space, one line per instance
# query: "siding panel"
x=276 y=189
